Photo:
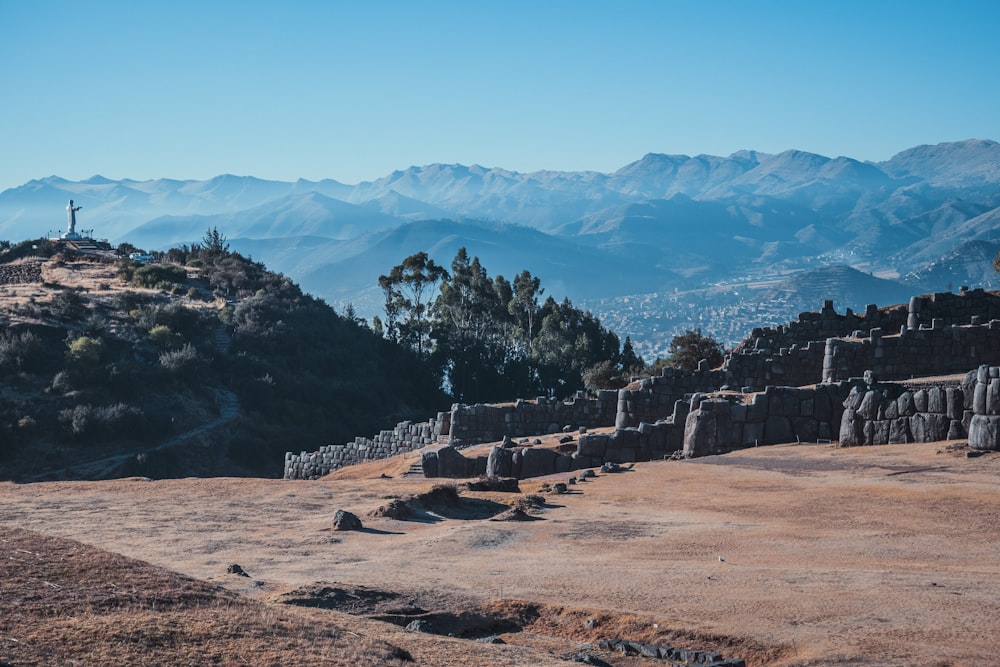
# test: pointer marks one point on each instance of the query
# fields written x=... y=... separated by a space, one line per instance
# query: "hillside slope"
x=105 y=360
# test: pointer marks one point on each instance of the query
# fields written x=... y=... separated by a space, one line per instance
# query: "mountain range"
x=662 y=224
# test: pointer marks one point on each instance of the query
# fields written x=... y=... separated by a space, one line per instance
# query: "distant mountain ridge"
x=661 y=223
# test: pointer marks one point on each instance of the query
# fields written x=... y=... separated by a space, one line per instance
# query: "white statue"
x=71 y=215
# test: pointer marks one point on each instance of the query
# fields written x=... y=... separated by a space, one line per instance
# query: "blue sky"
x=352 y=91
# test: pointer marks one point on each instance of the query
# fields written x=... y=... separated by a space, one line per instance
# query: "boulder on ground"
x=344 y=520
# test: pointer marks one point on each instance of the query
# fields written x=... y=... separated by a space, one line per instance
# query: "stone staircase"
x=416 y=469
x=222 y=339
x=84 y=244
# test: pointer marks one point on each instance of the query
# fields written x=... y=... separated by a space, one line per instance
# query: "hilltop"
x=205 y=365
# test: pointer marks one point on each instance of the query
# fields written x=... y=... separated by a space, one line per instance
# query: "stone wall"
x=922 y=310
x=951 y=308
x=984 y=425
x=888 y=413
x=938 y=333
x=711 y=424
x=405 y=437
x=939 y=350
x=475 y=424
x=25 y=271
x=749 y=371
x=818 y=326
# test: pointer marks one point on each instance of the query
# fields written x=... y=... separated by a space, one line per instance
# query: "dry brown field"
x=784 y=555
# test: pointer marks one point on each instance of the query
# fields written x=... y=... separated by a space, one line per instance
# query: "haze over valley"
x=663 y=244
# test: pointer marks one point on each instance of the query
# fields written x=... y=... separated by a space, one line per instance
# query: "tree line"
x=491 y=339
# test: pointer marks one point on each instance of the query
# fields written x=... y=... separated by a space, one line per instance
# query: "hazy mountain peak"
x=97 y=179
x=969 y=162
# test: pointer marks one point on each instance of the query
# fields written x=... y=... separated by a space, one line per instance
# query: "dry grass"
x=879 y=556
x=63 y=602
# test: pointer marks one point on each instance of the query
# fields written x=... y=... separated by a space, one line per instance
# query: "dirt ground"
x=783 y=555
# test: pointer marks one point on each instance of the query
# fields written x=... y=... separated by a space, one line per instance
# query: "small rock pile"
x=674 y=656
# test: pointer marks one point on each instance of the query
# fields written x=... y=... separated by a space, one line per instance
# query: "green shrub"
x=162 y=337
x=156 y=276
x=84 y=350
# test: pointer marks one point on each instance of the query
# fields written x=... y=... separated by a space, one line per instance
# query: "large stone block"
x=708 y=430
x=899 y=431
x=452 y=464
x=822 y=408
x=870 y=405
x=757 y=409
x=592 y=444
x=979 y=397
x=806 y=428
x=499 y=462
x=904 y=404
x=429 y=464
x=852 y=429
x=954 y=403
x=936 y=401
x=778 y=429
x=537 y=462
x=926 y=427
x=984 y=432
x=993 y=397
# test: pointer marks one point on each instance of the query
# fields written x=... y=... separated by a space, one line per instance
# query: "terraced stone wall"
x=405 y=437
x=476 y=424
x=938 y=350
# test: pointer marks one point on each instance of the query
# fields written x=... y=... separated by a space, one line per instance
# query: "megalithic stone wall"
x=939 y=333
x=984 y=425
x=706 y=424
x=881 y=413
x=748 y=371
x=888 y=413
x=937 y=350
x=474 y=424
x=405 y=437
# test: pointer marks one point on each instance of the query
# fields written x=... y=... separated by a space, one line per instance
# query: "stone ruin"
x=811 y=380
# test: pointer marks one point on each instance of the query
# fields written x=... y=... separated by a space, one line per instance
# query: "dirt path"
x=103 y=468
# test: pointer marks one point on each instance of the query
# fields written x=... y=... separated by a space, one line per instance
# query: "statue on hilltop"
x=71 y=218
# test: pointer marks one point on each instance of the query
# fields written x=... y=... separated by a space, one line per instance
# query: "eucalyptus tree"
x=409 y=288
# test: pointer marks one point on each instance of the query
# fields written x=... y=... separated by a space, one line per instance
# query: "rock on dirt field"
x=785 y=555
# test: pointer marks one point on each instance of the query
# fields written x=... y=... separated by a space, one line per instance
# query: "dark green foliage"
x=117 y=419
x=157 y=276
x=215 y=245
x=130 y=370
x=34 y=248
x=690 y=347
x=604 y=375
x=69 y=306
x=311 y=376
x=409 y=289
x=488 y=338
x=568 y=342
x=21 y=350
x=183 y=321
